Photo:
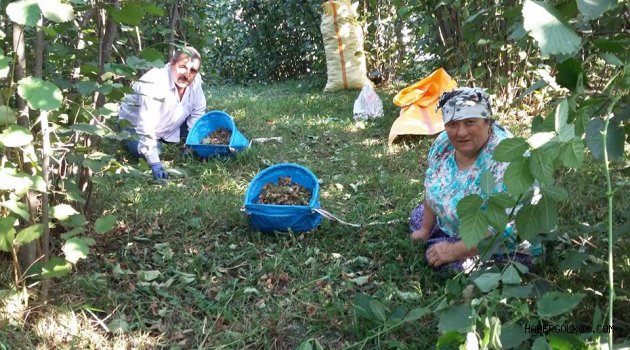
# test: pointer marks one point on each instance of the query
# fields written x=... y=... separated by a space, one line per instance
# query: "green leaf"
x=76 y=220
x=554 y=192
x=72 y=232
x=450 y=340
x=86 y=87
x=377 y=310
x=130 y=13
x=552 y=34
x=513 y=335
x=25 y=12
x=118 y=325
x=75 y=249
x=511 y=275
x=538 y=84
x=29 y=234
x=594 y=9
x=568 y=341
x=56 y=10
x=397 y=315
x=522 y=269
x=517 y=32
x=153 y=10
x=617 y=46
x=120 y=69
x=87 y=128
x=567 y=9
x=18 y=208
x=541 y=166
x=474 y=224
x=510 y=149
x=497 y=217
x=540 y=344
x=540 y=139
x=56 y=267
x=526 y=222
x=611 y=59
x=489 y=246
x=362 y=306
x=572 y=154
x=567 y=133
x=40 y=94
x=38 y=184
x=562 y=115
x=488 y=281
x=151 y=54
x=573 y=261
x=7 y=115
x=614 y=139
x=547 y=213
x=62 y=212
x=486 y=182
x=417 y=313
x=7 y=233
x=521 y=292
x=15 y=136
x=458 y=318
x=10 y=180
x=501 y=199
x=5 y=64
x=305 y=345
x=105 y=224
x=569 y=72
x=148 y=276
x=557 y=303
x=518 y=178
x=108 y=110
x=72 y=191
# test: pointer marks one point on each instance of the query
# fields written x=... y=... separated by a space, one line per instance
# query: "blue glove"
x=158 y=171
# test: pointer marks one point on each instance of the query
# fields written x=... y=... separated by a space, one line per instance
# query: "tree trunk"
x=174 y=18
x=105 y=53
x=76 y=73
x=43 y=118
x=27 y=253
x=106 y=47
x=44 y=240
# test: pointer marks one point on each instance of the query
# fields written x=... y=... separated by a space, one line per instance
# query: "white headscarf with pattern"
x=464 y=103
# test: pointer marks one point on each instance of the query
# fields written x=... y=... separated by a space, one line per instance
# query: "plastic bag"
x=368 y=105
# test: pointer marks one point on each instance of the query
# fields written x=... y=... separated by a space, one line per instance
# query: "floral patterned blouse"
x=445 y=185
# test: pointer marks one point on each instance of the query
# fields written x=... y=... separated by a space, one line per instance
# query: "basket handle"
x=328 y=215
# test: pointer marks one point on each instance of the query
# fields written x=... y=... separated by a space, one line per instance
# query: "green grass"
x=222 y=286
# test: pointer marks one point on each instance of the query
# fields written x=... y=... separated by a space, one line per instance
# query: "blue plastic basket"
x=268 y=218
x=206 y=125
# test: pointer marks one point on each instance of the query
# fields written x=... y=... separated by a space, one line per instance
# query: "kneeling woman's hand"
x=446 y=252
x=422 y=234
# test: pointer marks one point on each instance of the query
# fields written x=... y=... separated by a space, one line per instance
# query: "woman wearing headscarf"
x=456 y=160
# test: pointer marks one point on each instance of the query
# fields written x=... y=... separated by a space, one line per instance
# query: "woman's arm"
x=428 y=221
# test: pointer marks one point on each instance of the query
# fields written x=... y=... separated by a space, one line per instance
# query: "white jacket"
x=156 y=111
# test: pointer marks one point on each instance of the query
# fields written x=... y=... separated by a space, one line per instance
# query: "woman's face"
x=468 y=136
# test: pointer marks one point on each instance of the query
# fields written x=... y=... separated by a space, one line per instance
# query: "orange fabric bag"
x=418 y=101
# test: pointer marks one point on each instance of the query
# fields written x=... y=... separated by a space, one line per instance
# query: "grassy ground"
x=183 y=270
